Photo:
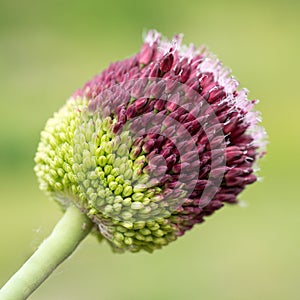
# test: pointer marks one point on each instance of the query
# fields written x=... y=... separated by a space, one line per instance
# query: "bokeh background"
x=49 y=48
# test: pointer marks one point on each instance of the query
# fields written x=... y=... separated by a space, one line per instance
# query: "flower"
x=152 y=145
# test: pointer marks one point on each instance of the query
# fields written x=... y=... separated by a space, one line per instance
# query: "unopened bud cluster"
x=138 y=147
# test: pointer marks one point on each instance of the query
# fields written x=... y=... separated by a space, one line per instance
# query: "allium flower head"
x=152 y=145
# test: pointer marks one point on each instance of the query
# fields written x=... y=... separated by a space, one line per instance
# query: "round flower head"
x=152 y=145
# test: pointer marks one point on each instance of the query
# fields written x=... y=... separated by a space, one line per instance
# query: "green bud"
x=137 y=196
x=102 y=161
x=145 y=231
x=137 y=205
x=108 y=209
x=108 y=147
x=107 y=169
x=128 y=174
x=158 y=233
x=119 y=236
x=119 y=189
x=122 y=150
x=110 y=178
x=128 y=241
x=127 y=191
x=126 y=215
x=139 y=225
x=127 y=202
x=139 y=188
x=127 y=224
x=110 y=158
x=113 y=185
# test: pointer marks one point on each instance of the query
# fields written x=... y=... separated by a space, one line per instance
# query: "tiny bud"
x=166 y=62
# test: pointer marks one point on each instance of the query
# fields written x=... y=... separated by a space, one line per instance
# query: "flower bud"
x=152 y=146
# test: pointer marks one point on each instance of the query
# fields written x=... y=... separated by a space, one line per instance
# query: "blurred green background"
x=50 y=48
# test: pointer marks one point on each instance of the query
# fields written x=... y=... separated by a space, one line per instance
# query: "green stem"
x=67 y=234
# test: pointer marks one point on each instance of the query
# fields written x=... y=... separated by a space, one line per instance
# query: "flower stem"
x=67 y=234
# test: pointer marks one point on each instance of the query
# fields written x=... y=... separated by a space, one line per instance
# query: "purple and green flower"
x=143 y=152
x=152 y=145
